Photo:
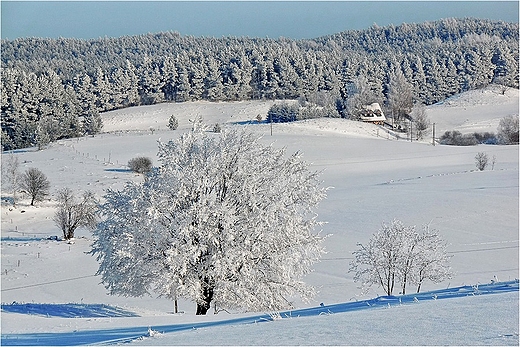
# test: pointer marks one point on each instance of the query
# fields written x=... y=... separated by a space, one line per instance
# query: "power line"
x=45 y=283
x=451 y=252
x=482 y=249
x=339 y=258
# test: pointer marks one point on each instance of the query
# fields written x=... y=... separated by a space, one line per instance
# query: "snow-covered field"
x=374 y=178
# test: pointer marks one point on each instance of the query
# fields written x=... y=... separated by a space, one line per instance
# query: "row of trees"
x=57 y=87
x=507 y=134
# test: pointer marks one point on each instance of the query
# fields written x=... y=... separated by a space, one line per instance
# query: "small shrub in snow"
x=217 y=128
x=140 y=165
x=481 y=161
x=173 y=123
x=152 y=333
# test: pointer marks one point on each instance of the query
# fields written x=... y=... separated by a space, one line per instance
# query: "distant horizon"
x=258 y=19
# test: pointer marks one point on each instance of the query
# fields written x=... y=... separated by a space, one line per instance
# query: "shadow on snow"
x=68 y=310
x=120 y=335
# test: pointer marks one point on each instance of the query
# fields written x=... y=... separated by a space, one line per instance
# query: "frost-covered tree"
x=362 y=94
x=421 y=121
x=481 y=161
x=282 y=113
x=400 y=96
x=224 y=220
x=397 y=255
x=432 y=261
x=379 y=262
x=507 y=131
x=92 y=122
x=72 y=213
x=11 y=175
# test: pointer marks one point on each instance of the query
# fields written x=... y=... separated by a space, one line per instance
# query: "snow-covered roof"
x=374 y=107
x=373 y=113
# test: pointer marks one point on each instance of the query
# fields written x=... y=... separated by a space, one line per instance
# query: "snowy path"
x=121 y=335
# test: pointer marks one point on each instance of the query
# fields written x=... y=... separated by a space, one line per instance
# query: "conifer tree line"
x=56 y=88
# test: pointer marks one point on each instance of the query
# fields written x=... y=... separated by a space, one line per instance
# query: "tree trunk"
x=207 y=295
x=68 y=233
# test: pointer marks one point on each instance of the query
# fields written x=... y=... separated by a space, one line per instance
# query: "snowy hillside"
x=374 y=178
x=477 y=110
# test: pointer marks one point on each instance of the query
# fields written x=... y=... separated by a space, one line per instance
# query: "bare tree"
x=72 y=214
x=481 y=160
x=35 y=183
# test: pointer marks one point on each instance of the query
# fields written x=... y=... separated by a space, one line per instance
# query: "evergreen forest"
x=57 y=88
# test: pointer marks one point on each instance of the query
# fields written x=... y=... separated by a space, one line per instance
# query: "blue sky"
x=292 y=19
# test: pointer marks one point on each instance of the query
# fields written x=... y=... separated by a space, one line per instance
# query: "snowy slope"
x=374 y=178
x=253 y=332
x=474 y=111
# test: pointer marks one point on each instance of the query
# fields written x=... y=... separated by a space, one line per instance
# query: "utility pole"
x=411 y=139
x=433 y=140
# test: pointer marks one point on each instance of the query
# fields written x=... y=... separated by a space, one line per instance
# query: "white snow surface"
x=374 y=178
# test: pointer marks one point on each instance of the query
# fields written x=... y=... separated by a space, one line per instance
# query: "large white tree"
x=398 y=255
x=225 y=220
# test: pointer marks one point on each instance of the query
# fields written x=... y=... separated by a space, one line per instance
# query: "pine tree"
x=213 y=81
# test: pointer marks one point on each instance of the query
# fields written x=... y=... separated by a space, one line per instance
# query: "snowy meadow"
x=372 y=176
